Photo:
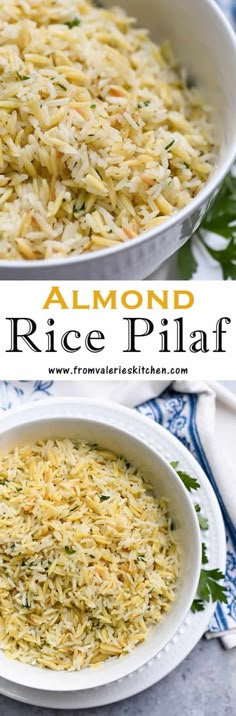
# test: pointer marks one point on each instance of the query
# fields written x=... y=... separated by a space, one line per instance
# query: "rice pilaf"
x=88 y=559
x=101 y=138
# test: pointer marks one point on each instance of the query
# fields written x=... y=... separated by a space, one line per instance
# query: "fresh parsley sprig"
x=197 y=606
x=204 y=554
x=190 y=482
x=203 y=521
x=187 y=263
x=209 y=587
x=222 y=212
x=221 y=220
x=226 y=257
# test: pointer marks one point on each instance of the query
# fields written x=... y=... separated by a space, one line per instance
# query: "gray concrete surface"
x=203 y=685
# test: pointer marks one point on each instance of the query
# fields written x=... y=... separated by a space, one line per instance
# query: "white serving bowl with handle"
x=206 y=46
x=76 y=418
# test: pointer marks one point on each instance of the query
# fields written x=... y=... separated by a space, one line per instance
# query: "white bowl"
x=64 y=418
x=206 y=46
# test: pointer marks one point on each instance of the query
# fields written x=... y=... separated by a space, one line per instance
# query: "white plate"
x=195 y=624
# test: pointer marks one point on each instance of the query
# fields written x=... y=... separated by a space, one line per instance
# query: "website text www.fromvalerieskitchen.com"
x=117 y=370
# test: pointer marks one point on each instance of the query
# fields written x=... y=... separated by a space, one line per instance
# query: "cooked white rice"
x=100 y=136
x=88 y=559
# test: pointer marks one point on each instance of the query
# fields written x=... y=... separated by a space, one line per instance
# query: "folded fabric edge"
x=227 y=638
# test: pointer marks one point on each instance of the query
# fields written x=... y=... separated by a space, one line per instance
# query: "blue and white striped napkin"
x=202 y=416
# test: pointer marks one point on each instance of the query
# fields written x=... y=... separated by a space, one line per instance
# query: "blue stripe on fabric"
x=155 y=411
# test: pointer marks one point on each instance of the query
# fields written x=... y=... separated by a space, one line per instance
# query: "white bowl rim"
x=182 y=214
x=8 y=423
